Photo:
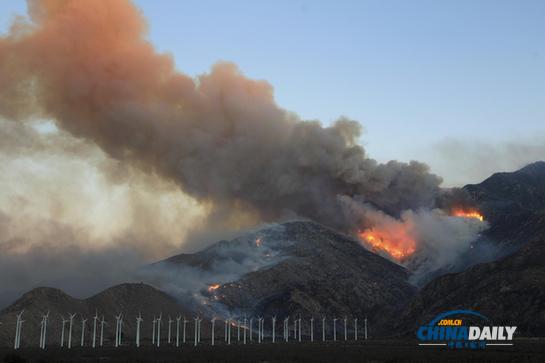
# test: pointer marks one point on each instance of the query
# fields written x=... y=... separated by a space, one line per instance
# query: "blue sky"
x=415 y=73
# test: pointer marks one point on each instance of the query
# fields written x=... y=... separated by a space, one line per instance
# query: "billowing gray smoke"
x=87 y=65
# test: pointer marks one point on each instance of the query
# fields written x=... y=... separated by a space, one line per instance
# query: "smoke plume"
x=220 y=138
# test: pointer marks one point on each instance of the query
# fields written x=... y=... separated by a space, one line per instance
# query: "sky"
x=457 y=84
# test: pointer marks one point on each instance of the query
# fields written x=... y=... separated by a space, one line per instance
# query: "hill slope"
x=304 y=269
x=129 y=299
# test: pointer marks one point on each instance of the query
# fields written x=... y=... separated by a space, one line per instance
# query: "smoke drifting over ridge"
x=220 y=137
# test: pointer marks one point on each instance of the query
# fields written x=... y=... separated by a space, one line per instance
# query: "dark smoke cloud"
x=221 y=137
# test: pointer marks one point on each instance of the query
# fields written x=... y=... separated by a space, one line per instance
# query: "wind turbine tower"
x=43 y=331
x=178 y=319
x=213 y=321
x=170 y=321
x=102 y=323
x=323 y=329
x=244 y=328
x=158 y=340
x=71 y=323
x=117 y=330
x=18 y=327
x=64 y=321
x=196 y=320
x=365 y=328
x=154 y=321
x=139 y=321
x=83 y=321
x=95 y=319
x=273 y=328
x=185 y=323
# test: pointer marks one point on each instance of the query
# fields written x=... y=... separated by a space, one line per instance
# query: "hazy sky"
x=458 y=84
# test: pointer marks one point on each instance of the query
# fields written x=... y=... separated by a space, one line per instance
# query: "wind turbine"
x=312 y=329
x=196 y=328
x=295 y=329
x=154 y=322
x=71 y=323
x=102 y=322
x=117 y=330
x=139 y=321
x=83 y=321
x=259 y=322
x=43 y=331
x=185 y=323
x=95 y=319
x=199 y=330
x=245 y=327
x=345 y=335
x=365 y=330
x=300 y=329
x=158 y=340
x=262 y=329
x=323 y=329
x=251 y=325
x=229 y=332
x=170 y=321
x=238 y=330
x=286 y=329
x=273 y=327
x=213 y=321
x=18 y=327
x=42 y=323
x=356 y=329
x=178 y=319
x=334 y=329
x=64 y=321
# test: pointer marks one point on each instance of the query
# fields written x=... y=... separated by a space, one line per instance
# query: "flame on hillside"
x=398 y=238
x=213 y=287
x=467 y=213
x=395 y=242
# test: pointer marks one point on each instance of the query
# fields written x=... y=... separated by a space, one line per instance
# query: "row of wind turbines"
x=245 y=331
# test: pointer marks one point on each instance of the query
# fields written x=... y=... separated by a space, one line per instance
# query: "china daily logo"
x=460 y=329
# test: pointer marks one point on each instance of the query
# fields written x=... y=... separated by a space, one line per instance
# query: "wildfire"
x=396 y=242
x=468 y=213
x=213 y=287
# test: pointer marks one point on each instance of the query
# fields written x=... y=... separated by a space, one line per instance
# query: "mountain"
x=128 y=299
x=509 y=292
x=303 y=269
x=510 y=289
x=514 y=205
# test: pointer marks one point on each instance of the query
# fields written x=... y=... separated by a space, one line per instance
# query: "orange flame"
x=468 y=213
x=396 y=241
x=213 y=287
